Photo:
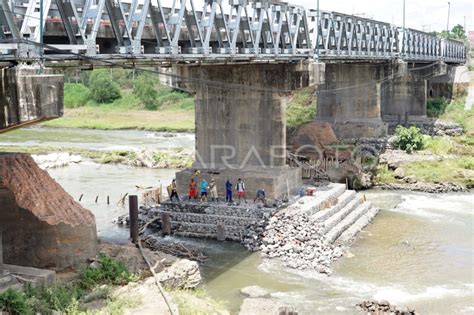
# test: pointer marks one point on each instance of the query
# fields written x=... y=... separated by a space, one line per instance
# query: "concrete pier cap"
x=241 y=123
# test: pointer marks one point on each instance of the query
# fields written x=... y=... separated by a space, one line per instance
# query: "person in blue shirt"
x=204 y=187
x=228 y=191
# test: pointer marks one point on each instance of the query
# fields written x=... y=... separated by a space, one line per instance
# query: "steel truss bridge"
x=206 y=30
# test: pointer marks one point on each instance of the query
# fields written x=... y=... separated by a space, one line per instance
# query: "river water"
x=418 y=252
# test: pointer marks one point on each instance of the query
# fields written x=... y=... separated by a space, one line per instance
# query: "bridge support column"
x=351 y=98
x=240 y=124
x=26 y=96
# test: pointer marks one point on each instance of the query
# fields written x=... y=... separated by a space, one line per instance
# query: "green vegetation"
x=103 y=89
x=458 y=170
x=145 y=91
x=455 y=112
x=68 y=299
x=196 y=302
x=457 y=32
x=455 y=163
x=301 y=109
x=122 y=99
x=110 y=272
x=75 y=95
x=408 y=139
x=437 y=106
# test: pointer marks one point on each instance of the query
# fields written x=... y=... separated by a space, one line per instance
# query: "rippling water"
x=418 y=251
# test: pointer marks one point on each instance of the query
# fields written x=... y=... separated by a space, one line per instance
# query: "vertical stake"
x=133 y=213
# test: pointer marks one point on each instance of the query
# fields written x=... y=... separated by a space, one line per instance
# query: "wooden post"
x=96 y=199
x=80 y=198
x=133 y=213
x=166 y=223
x=108 y=200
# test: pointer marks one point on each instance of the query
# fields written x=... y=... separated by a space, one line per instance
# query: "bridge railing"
x=208 y=29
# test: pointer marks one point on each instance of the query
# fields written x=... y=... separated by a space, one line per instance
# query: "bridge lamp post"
x=317 y=31
x=41 y=37
x=447 y=25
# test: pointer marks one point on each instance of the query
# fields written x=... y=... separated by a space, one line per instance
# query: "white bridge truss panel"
x=208 y=29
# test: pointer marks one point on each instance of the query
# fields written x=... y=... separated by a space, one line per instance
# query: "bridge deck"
x=258 y=30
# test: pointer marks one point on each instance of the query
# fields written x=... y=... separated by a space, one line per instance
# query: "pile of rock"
x=412 y=185
x=384 y=307
x=299 y=243
x=56 y=160
x=442 y=128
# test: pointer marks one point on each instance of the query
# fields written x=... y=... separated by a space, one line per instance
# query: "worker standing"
x=228 y=191
x=204 y=188
x=192 y=189
x=213 y=190
x=174 y=190
x=240 y=187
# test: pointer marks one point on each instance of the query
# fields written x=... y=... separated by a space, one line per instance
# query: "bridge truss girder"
x=209 y=29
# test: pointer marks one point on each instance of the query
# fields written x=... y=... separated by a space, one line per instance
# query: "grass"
x=455 y=112
x=67 y=298
x=196 y=302
x=301 y=109
x=459 y=170
x=384 y=175
x=110 y=117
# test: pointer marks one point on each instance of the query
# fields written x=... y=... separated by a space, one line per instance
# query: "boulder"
x=183 y=274
x=411 y=179
x=254 y=292
x=265 y=306
x=399 y=173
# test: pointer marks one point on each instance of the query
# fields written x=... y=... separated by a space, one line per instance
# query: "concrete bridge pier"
x=407 y=95
x=240 y=124
x=360 y=100
x=351 y=98
x=28 y=95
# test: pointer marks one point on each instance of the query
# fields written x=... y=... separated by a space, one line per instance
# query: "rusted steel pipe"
x=133 y=213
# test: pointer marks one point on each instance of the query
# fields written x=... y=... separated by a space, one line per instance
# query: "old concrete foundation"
x=240 y=123
x=43 y=227
x=28 y=95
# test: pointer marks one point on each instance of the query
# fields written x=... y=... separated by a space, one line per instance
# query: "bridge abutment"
x=240 y=124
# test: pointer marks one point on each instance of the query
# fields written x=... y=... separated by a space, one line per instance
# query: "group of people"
x=203 y=190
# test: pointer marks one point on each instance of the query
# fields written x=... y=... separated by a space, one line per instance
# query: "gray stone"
x=254 y=292
x=411 y=179
x=265 y=306
x=183 y=274
x=399 y=173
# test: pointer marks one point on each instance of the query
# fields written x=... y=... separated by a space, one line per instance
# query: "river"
x=418 y=251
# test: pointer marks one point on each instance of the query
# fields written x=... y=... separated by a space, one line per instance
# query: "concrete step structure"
x=343 y=200
x=347 y=222
x=349 y=234
x=342 y=213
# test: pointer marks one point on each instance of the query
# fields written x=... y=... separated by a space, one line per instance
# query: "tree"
x=103 y=89
x=458 y=32
x=144 y=89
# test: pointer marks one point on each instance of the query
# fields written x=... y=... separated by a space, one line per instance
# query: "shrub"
x=75 y=95
x=14 y=302
x=103 y=89
x=408 y=139
x=145 y=90
x=111 y=271
x=437 y=106
x=301 y=109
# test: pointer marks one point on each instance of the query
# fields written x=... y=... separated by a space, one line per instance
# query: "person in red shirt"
x=192 y=189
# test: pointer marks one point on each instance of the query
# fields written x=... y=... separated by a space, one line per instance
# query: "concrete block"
x=35 y=275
